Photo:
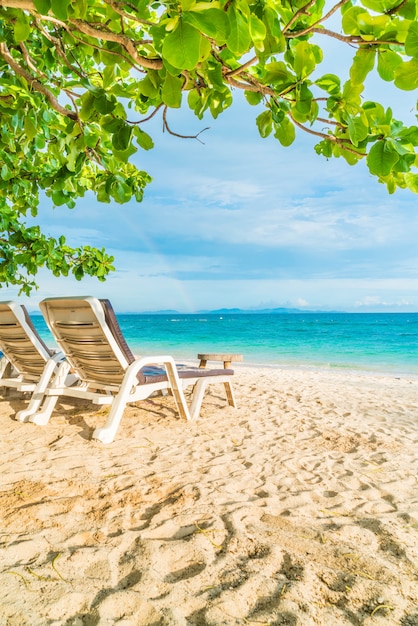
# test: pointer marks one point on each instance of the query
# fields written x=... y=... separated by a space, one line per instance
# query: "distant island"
x=233 y=311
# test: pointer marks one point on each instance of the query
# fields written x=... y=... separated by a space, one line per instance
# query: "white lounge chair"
x=27 y=364
x=87 y=331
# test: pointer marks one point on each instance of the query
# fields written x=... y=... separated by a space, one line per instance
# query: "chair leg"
x=106 y=434
x=230 y=394
x=197 y=397
x=199 y=391
x=5 y=368
x=42 y=417
x=38 y=394
x=176 y=389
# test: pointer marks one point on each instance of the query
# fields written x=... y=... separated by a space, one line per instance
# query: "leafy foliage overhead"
x=80 y=78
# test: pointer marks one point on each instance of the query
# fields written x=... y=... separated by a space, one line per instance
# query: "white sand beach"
x=299 y=508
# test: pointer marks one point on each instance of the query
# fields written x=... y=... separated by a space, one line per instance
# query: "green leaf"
x=285 y=132
x=350 y=20
x=257 y=31
x=111 y=124
x=186 y=5
x=411 y=42
x=122 y=137
x=42 y=6
x=304 y=101
x=59 y=197
x=79 y=9
x=304 y=59
x=381 y=159
x=92 y=136
x=104 y=104
x=60 y=8
x=120 y=191
x=205 y=49
x=211 y=21
x=351 y=94
x=275 y=40
x=182 y=46
x=6 y=174
x=171 y=92
x=406 y=75
x=30 y=127
x=375 y=113
x=143 y=139
x=21 y=28
x=330 y=83
x=363 y=64
x=387 y=62
x=380 y=6
x=147 y=87
x=87 y=110
x=40 y=141
x=239 y=39
x=278 y=75
x=253 y=97
x=357 y=129
x=264 y=123
x=412 y=181
x=124 y=155
x=372 y=26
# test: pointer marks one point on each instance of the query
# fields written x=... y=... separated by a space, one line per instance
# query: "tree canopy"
x=79 y=79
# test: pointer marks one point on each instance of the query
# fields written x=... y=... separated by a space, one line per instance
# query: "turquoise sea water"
x=377 y=342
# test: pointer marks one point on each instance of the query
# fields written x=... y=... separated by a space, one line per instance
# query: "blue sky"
x=243 y=222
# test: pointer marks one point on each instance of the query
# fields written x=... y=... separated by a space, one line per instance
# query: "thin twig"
x=341 y=142
x=171 y=132
x=145 y=119
x=241 y=68
x=302 y=11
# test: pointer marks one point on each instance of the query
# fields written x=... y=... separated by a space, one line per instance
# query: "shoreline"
x=302 y=367
x=333 y=369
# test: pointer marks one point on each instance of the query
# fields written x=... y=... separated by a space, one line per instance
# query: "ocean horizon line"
x=267 y=311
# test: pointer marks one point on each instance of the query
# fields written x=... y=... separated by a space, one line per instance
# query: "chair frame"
x=27 y=364
x=128 y=389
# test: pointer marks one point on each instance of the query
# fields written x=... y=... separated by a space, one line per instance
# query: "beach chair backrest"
x=81 y=328
x=20 y=341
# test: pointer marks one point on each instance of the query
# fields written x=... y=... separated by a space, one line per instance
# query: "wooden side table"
x=226 y=358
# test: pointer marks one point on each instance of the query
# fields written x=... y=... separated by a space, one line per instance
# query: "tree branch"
x=327 y=121
x=91 y=31
x=58 y=47
x=323 y=18
x=263 y=89
x=30 y=62
x=241 y=68
x=34 y=83
x=333 y=10
x=337 y=140
x=150 y=116
x=25 y=5
x=114 y=52
x=122 y=40
x=350 y=39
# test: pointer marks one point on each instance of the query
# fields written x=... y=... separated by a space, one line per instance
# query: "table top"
x=219 y=356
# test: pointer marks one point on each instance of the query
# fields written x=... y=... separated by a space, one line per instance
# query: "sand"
x=298 y=508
